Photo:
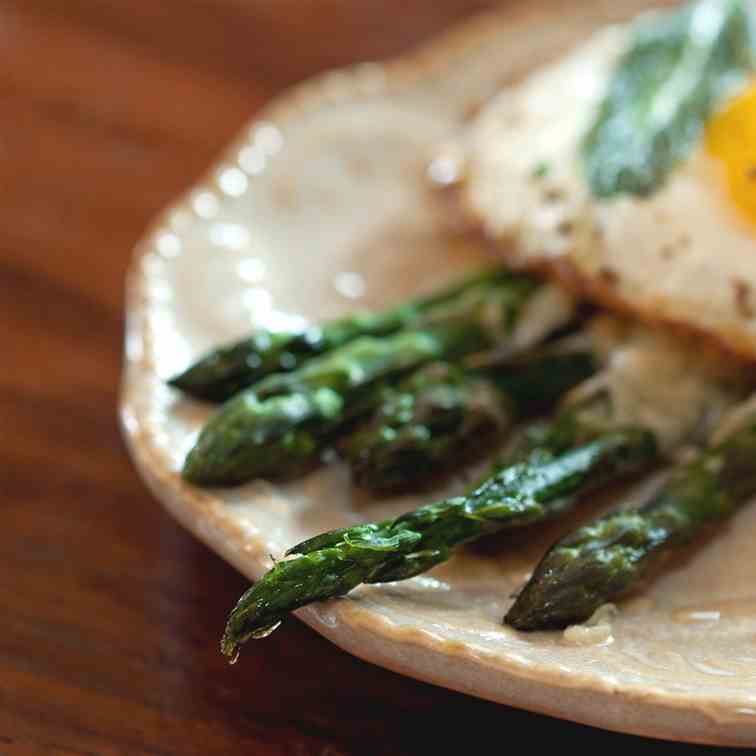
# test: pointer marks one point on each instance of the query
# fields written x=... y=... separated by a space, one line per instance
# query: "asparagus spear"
x=225 y=371
x=444 y=414
x=606 y=557
x=278 y=426
x=542 y=485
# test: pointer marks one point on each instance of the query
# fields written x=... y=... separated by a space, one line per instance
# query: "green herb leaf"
x=541 y=169
x=678 y=69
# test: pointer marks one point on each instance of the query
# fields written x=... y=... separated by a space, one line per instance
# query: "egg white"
x=683 y=255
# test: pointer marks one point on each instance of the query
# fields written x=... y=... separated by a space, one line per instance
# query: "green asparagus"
x=280 y=425
x=443 y=415
x=544 y=484
x=225 y=371
x=605 y=558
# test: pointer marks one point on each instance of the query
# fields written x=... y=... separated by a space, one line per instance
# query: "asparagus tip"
x=232 y=640
x=194 y=470
x=183 y=382
x=189 y=385
x=571 y=582
x=176 y=380
x=230 y=649
x=554 y=600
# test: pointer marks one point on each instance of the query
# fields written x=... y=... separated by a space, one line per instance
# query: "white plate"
x=322 y=206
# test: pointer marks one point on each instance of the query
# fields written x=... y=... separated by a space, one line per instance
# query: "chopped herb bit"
x=541 y=169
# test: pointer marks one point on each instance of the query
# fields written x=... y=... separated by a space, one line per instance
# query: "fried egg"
x=685 y=255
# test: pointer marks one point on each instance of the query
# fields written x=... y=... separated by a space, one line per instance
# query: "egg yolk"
x=731 y=138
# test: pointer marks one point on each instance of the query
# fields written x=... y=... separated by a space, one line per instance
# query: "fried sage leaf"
x=678 y=69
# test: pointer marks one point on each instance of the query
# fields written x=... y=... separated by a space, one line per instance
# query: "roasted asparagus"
x=227 y=370
x=607 y=557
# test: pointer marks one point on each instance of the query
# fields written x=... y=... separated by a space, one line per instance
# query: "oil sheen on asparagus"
x=557 y=463
x=279 y=426
x=444 y=415
x=227 y=370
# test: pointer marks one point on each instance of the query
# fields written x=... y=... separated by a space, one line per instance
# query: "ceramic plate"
x=323 y=206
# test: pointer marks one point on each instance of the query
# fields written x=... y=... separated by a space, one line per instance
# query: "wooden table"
x=111 y=612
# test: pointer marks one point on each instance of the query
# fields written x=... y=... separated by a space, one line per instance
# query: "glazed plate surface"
x=322 y=206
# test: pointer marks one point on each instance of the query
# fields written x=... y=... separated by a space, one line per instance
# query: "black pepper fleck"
x=608 y=275
x=553 y=194
x=743 y=301
x=683 y=242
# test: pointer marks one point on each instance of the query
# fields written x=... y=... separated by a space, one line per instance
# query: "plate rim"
x=657 y=713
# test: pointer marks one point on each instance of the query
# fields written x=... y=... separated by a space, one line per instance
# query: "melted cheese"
x=596 y=630
x=660 y=381
x=549 y=308
x=734 y=419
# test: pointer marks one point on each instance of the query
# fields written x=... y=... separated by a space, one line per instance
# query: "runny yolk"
x=731 y=138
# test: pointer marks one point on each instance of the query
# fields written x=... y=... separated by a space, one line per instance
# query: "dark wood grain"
x=111 y=613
